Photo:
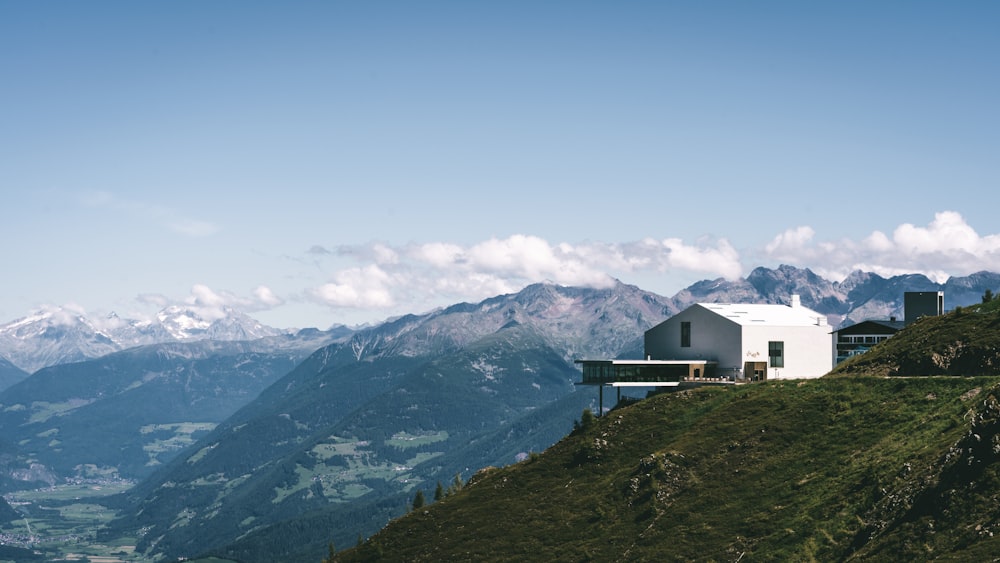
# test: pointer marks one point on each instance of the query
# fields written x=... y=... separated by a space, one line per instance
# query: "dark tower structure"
x=918 y=304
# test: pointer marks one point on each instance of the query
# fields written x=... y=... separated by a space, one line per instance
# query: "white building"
x=745 y=342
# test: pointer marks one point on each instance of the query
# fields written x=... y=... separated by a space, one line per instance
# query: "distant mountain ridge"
x=59 y=336
x=860 y=296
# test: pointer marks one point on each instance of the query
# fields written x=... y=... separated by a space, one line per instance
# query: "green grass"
x=345 y=482
x=965 y=342
x=799 y=470
x=182 y=437
x=42 y=411
x=405 y=440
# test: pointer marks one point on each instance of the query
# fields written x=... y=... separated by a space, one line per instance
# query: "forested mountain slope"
x=347 y=436
x=126 y=413
x=10 y=374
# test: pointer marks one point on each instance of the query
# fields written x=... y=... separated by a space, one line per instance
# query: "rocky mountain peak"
x=58 y=335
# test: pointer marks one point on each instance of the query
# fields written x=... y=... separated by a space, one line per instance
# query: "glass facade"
x=852 y=345
x=606 y=372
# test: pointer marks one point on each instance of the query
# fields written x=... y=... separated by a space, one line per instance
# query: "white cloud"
x=265 y=296
x=790 y=241
x=416 y=277
x=723 y=259
x=362 y=288
x=211 y=304
x=438 y=254
x=62 y=315
x=206 y=302
x=946 y=247
x=431 y=274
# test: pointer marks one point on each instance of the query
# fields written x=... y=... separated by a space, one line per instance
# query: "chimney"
x=796 y=300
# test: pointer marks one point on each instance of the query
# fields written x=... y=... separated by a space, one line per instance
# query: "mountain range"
x=337 y=441
x=55 y=336
x=58 y=336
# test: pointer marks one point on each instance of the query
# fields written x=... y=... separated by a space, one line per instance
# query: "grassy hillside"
x=822 y=470
x=966 y=342
x=845 y=467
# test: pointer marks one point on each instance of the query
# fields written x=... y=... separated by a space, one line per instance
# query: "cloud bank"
x=370 y=281
x=211 y=305
x=388 y=277
x=946 y=247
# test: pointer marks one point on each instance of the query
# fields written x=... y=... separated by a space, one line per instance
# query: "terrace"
x=649 y=373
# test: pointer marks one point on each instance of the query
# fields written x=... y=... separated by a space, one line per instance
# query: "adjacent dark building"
x=918 y=304
x=860 y=337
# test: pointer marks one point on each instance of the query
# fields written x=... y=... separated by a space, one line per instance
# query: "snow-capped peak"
x=183 y=323
x=59 y=335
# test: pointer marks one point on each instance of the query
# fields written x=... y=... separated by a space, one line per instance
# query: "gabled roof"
x=754 y=314
x=888 y=326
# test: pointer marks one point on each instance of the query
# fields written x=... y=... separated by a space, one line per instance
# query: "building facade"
x=747 y=342
x=859 y=338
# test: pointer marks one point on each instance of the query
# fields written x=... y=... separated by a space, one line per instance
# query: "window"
x=776 y=354
x=685 y=334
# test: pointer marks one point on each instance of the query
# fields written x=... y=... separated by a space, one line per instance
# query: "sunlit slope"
x=965 y=341
x=821 y=470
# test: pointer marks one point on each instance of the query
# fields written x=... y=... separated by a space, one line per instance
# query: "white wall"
x=713 y=337
x=807 y=349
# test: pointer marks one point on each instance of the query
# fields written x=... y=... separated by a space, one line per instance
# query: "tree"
x=332 y=554
x=438 y=492
x=988 y=296
x=456 y=485
x=418 y=500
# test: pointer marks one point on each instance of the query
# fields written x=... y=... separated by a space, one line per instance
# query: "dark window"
x=776 y=354
x=685 y=334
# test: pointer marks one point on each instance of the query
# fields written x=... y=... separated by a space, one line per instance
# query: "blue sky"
x=342 y=162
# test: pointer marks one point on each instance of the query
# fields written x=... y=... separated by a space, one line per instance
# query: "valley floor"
x=62 y=523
